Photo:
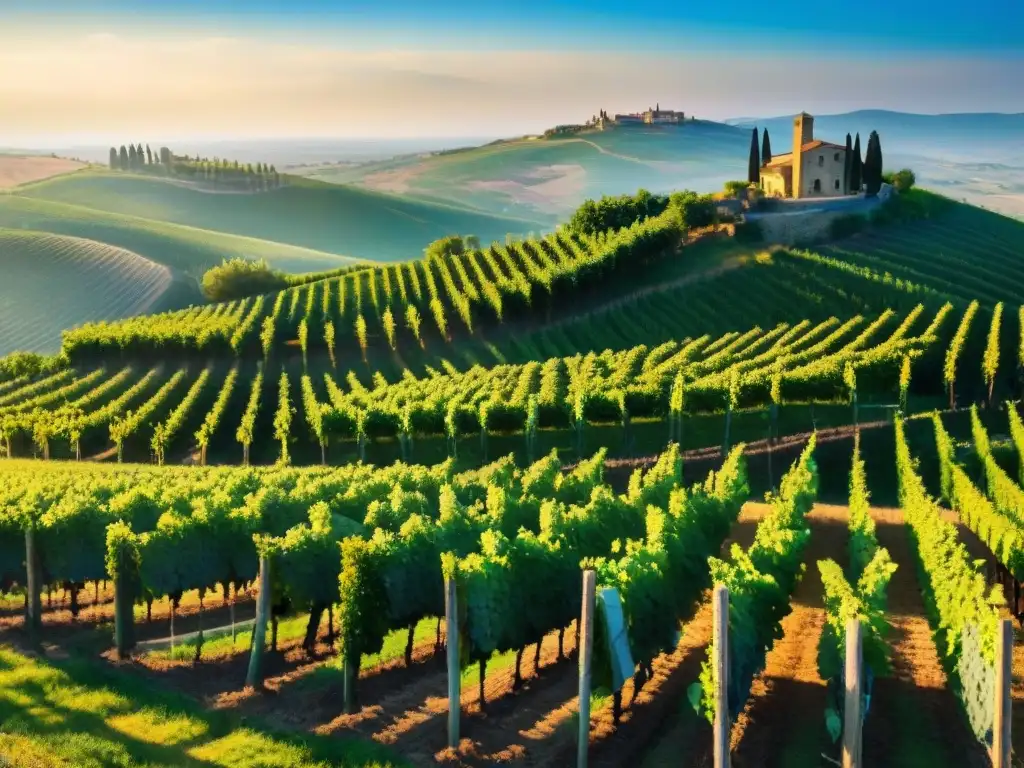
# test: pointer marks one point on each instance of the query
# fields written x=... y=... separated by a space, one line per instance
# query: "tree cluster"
x=216 y=172
x=759 y=156
x=864 y=173
x=135 y=158
x=615 y=212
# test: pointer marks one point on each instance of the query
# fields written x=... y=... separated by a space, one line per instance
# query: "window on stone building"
x=821 y=160
x=837 y=157
x=837 y=183
x=817 y=185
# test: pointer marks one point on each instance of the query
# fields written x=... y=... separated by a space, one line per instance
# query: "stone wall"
x=793 y=228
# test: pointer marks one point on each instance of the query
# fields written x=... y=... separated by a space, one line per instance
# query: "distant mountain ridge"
x=988 y=136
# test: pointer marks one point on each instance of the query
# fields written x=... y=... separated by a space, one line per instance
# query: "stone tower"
x=803 y=132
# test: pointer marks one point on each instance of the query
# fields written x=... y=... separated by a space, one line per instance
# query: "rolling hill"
x=20 y=169
x=532 y=177
x=51 y=282
x=188 y=249
x=305 y=213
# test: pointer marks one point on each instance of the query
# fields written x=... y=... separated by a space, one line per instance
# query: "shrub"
x=902 y=180
x=735 y=188
x=596 y=216
x=451 y=245
x=694 y=210
x=239 y=278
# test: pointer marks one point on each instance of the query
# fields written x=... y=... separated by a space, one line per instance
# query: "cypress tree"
x=868 y=170
x=847 y=166
x=123 y=158
x=873 y=165
x=115 y=162
x=878 y=156
x=754 y=164
x=766 y=149
x=149 y=155
x=856 y=166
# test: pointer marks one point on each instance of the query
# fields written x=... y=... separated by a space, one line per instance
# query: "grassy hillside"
x=550 y=177
x=187 y=249
x=309 y=214
x=51 y=282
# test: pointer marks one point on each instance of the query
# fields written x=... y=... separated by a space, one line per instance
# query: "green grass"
x=186 y=249
x=221 y=646
x=394 y=644
x=330 y=674
x=53 y=282
x=306 y=213
x=70 y=713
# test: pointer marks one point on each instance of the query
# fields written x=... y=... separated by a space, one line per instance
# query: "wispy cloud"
x=125 y=86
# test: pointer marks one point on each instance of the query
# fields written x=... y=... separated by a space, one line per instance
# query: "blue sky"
x=398 y=68
x=985 y=27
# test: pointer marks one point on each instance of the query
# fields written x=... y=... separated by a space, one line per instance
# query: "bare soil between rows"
x=60 y=625
x=913 y=713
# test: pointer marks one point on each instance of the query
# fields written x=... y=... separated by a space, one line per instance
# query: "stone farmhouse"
x=814 y=168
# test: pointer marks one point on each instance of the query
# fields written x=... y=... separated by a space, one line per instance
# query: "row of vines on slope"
x=481 y=285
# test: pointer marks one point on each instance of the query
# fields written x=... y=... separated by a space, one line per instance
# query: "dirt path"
x=783 y=723
x=609 y=153
x=914 y=718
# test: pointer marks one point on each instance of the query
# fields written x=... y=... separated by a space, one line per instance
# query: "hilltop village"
x=603 y=121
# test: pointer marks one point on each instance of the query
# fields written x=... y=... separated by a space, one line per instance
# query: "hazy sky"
x=83 y=71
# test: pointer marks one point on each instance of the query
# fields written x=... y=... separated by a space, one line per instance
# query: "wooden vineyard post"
x=350 y=671
x=454 y=673
x=124 y=614
x=1001 y=743
x=254 y=678
x=852 y=719
x=721 y=661
x=586 y=646
x=34 y=604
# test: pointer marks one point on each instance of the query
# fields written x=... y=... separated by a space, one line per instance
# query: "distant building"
x=660 y=116
x=814 y=168
x=636 y=118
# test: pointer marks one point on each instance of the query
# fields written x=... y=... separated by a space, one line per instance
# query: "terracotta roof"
x=780 y=160
x=818 y=143
x=787 y=158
